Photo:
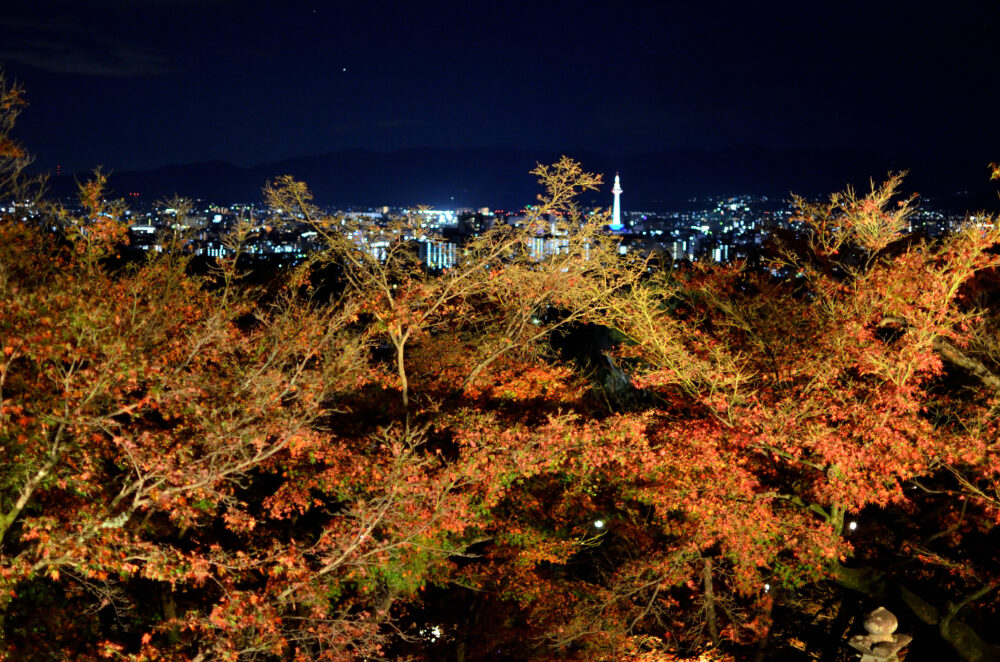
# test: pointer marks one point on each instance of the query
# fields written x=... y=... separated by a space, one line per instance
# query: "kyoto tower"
x=616 y=214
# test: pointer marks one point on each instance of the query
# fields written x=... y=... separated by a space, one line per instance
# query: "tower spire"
x=616 y=213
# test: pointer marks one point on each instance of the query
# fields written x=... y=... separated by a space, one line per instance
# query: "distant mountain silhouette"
x=498 y=177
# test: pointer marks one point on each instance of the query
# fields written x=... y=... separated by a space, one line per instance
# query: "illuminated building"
x=616 y=215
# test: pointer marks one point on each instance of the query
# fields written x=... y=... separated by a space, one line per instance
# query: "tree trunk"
x=765 y=641
x=713 y=625
x=962 y=638
x=169 y=607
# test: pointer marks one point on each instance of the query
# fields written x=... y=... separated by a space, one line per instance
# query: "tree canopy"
x=575 y=454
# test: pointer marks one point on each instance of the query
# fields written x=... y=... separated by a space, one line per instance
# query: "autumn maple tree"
x=548 y=450
x=198 y=469
x=791 y=402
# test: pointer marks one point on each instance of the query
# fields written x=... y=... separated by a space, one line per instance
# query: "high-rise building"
x=616 y=214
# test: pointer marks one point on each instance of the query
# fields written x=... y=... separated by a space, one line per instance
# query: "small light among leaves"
x=767 y=587
x=598 y=524
x=432 y=633
x=852 y=526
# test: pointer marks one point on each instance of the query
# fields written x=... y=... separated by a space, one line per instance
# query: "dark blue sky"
x=139 y=83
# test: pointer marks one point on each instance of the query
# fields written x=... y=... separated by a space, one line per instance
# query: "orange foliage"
x=310 y=477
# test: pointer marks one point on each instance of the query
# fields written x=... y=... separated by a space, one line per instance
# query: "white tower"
x=616 y=214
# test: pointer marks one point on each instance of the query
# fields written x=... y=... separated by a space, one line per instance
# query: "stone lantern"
x=880 y=644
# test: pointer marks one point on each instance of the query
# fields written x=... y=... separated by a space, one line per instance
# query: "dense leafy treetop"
x=571 y=456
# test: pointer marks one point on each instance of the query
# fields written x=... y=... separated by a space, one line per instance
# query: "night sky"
x=139 y=83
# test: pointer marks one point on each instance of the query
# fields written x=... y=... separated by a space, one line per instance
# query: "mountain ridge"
x=499 y=177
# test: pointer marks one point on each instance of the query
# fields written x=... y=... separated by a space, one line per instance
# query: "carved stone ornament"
x=880 y=644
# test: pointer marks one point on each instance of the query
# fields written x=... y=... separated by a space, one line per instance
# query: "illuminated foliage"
x=370 y=460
